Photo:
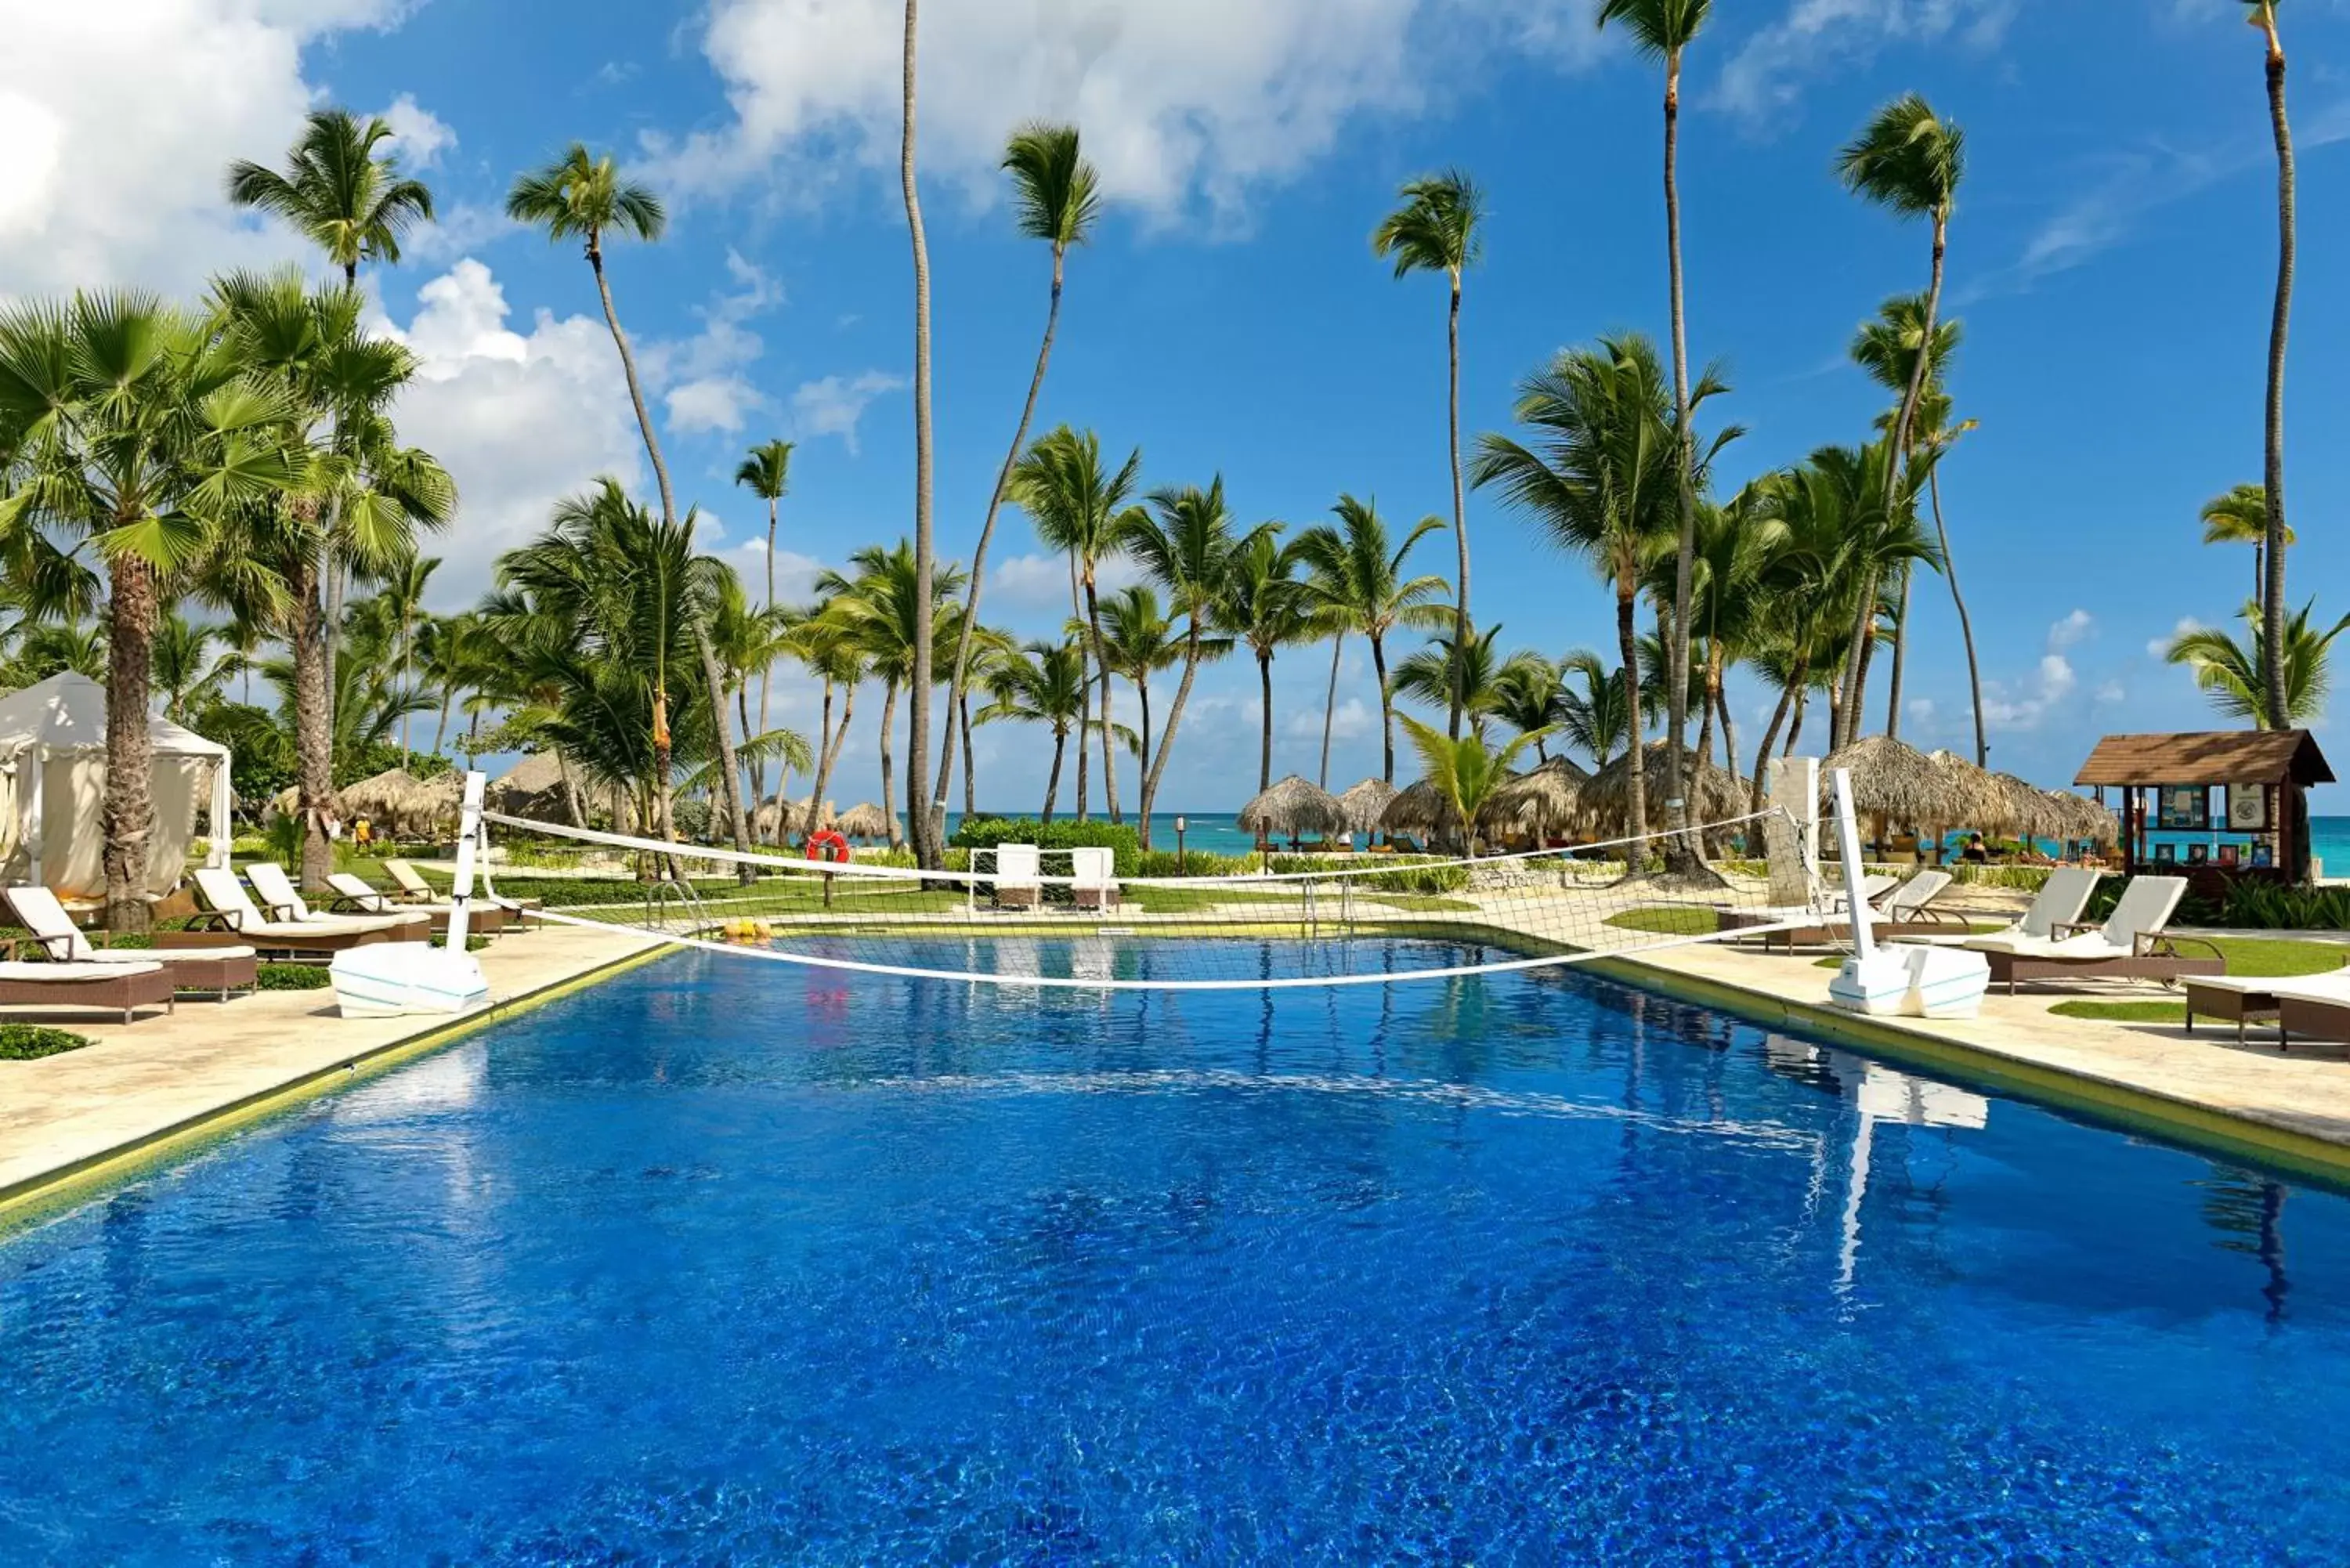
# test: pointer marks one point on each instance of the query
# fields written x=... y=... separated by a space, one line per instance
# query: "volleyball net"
x=1080 y=919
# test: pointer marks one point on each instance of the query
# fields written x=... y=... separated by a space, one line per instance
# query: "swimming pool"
x=725 y=1260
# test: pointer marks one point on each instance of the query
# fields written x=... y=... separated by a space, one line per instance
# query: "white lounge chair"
x=285 y=902
x=1019 y=876
x=1092 y=882
x=1823 y=918
x=222 y=970
x=2133 y=944
x=410 y=887
x=2059 y=902
x=354 y=895
x=230 y=914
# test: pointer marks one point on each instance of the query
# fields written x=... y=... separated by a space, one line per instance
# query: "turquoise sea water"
x=2329 y=841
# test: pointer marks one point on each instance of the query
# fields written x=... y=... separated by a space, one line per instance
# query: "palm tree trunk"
x=1771 y=737
x=1966 y=624
x=1142 y=695
x=767 y=674
x=1681 y=851
x=1856 y=719
x=889 y=773
x=1637 y=803
x=1712 y=690
x=314 y=743
x=129 y=812
x=1101 y=662
x=440 y=730
x=961 y=678
x=1729 y=734
x=1052 y=779
x=1459 y=521
x=730 y=766
x=969 y=762
x=831 y=750
x=1330 y=706
x=1386 y=708
x=1900 y=652
x=572 y=807
x=1264 y=750
x=1174 y=717
x=919 y=813
x=1085 y=695
x=2272 y=617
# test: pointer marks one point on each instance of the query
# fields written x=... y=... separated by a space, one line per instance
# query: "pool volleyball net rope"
x=1069 y=919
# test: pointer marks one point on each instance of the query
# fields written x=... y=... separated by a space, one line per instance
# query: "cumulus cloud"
x=2070 y=630
x=707 y=388
x=2160 y=647
x=1040 y=583
x=518 y=418
x=119 y=120
x=1768 y=73
x=833 y=405
x=1208 y=99
x=2021 y=706
x=418 y=135
x=795 y=573
x=1350 y=720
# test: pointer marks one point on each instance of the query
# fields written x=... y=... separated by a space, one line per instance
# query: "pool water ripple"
x=714 y=1264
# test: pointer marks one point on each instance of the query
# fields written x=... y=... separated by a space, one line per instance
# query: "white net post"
x=469 y=835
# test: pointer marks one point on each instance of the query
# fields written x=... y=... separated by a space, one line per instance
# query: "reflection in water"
x=2247 y=1212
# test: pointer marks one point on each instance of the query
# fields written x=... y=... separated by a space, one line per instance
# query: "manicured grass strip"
x=2123 y=1011
x=2274 y=957
x=31 y=1041
x=1668 y=920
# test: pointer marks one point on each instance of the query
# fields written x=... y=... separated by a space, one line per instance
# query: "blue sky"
x=2112 y=259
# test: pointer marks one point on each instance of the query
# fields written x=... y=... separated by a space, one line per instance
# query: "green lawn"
x=2267 y=957
x=1668 y=920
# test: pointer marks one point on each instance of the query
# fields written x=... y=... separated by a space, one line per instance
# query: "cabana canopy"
x=53 y=734
x=1711 y=794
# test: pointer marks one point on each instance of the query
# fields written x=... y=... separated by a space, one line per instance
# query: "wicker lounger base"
x=221 y=976
x=2230 y=1005
x=123 y=993
x=2007 y=969
x=2326 y=1021
x=271 y=943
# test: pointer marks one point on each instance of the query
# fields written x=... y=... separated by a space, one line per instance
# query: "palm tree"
x=403 y=594
x=766 y=473
x=1463 y=771
x=1596 y=719
x=929 y=848
x=1138 y=643
x=883 y=608
x=1602 y=481
x=1044 y=684
x=1085 y=511
x=1911 y=162
x=1529 y=692
x=1663 y=30
x=829 y=647
x=186 y=671
x=1736 y=545
x=2275 y=675
x=1356 y=580
x=122 y=422
x=583 y=197
x=1436 y=229
x=337 y=193
x=1264 y=606
x=2240 y=516
x=1185 y=542
x=2235 y=675
x=1057 y=195
x=1430 y=674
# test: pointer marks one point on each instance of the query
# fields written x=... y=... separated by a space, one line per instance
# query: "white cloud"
x=2160 y=647
x=833 y=405
x=519 y=420
x=2070 y=630
x=119 y=120
x=2111 y=691
x=1921 y=709
x=707 y=390
x=2023 y=706
x=1767 y=75
x=795 y=573
x=418 y=135
x=459 y=229
x=1352 y=719
x=1040 y=583
x=1207 y=98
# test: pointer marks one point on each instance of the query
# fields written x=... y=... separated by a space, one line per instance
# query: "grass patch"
x=2123 y=1011
x=294 y=977
x=31 y=1041
x=1668 y=920
x=2274 y=957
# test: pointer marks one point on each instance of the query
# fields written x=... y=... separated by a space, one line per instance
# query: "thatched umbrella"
x=533 y=787
x=865 y=820
x=2084 y=818
x=1546 y=801
x=1713 y=796
x=1291 y=807
x=1893 y=783
x=1366 y=804
x=1983 y=802
x=2033 y=812
x=1420 y=811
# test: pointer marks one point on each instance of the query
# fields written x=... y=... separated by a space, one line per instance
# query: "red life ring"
x=829 y=846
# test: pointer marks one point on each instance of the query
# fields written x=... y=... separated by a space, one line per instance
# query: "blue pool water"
x=729 y=1261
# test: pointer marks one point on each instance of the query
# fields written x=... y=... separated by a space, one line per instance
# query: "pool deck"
x=80 y=1119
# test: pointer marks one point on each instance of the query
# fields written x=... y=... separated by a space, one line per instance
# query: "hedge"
x=31 y=1041
x=294 y=977
x=987 y=832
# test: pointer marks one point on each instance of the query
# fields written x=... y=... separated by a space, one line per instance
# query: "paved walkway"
x=149 y=1080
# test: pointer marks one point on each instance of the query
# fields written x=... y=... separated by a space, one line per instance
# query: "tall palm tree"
x=1436 y=229
x=402 y=595
x=187 y=672
x=1464 y=773
x=1597 y=719
x=123 y=423
x=1058 y=194
x=583 y=197
x=1736 y=542
x=1138 y=642
x=1911 y=162
x=929 y=845
x=1042 y=683
x=1083 y=509
x=1602 y=481
x=2275 y=681
x=337 y=193
x=2235 y=675
x=883 y=607
x=766 y=473
x=1663 y=30
x=1264 y=606
x=1355 y=577
x=2240 y=516
x=829 y=647
x=1432 y=673
x=1185 y=542
x=1529 y=692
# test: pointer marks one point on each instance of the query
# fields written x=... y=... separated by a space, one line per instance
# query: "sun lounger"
x=93 y=987
x=2133 y=944
x=218 y=969
x=1018 y=876
x=230 y=918
x=2302 y=1011
x=2059 y=902
x=353 y=895
x=2242 y=1000
x=1823 y=922
x=1091 y=881
x=409 y=886
x=285 y=902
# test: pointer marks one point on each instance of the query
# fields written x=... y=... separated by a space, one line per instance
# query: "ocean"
x=1211 y=832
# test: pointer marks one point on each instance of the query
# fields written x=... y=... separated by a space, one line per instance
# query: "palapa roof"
x=795 y=817
x=1366 y=804
x=1713 y=796
x=2036 y=813
x=537 y=773
x=1985 y=803
x=1902 y=785
x=397 y=799
x=386 y=795
x=1549 y=798
x=865 y=820
x=1295 y=805
x=1418 y=810
x=2208 y=757
x=2083 y=817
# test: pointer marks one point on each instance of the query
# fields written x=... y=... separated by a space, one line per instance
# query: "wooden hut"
x=1421 y=812
x=2174 y=817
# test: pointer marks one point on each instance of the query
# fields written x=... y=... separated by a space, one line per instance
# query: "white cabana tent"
x=52 y=739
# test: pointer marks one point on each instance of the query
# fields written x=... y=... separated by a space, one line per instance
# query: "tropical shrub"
x=1163 y=862
x=987 y=832
x=294 y=977
x=2269 y=907
x=1400 y=874
x=31 y=1041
